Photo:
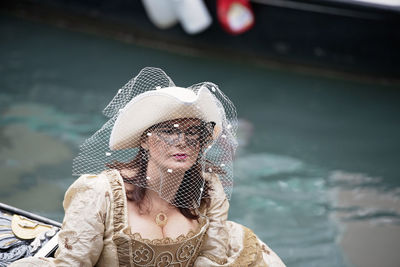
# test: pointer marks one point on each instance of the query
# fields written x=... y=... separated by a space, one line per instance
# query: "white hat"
x=155 y=106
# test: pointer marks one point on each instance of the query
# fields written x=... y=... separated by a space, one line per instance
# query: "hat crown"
x=182 y=94
x=161 y=105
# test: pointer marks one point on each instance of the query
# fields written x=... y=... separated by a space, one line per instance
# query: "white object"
x=239 y=17
x=192 y=14
x=46 y=250
x=161 y=13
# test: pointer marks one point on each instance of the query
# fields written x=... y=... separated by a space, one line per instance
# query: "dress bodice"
x=132 y=248
x=181 y=251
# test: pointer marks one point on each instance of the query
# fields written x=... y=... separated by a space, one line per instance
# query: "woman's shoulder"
x=94 y=183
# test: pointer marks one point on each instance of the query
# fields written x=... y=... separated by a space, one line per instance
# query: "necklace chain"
x=161 y=218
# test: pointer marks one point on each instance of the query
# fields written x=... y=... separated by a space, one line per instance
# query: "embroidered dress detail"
x=180 y=253
x=165 y=240
x=252 y=252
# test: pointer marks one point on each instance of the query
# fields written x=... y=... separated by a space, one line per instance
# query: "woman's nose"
x=181 y=140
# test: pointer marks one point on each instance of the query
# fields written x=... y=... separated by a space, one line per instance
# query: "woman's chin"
x=180 y=165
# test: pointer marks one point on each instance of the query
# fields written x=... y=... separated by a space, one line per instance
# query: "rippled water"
x=317 y=155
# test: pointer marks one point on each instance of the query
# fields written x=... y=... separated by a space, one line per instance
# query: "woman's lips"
x=180 y=156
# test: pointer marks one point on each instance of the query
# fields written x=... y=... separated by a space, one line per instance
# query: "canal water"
x=316 y=173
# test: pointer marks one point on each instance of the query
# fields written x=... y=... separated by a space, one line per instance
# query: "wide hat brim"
x=161 y=105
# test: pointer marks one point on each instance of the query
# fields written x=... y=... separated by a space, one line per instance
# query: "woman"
x=162 y=201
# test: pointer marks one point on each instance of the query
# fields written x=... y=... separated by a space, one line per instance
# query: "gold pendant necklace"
x=161 y=219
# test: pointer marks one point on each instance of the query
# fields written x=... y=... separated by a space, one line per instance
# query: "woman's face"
x=174 y=145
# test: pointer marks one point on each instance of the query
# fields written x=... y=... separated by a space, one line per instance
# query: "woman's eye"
x=167 y=131
x=193 y=131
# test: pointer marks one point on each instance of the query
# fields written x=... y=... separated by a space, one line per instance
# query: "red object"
x=235 y=16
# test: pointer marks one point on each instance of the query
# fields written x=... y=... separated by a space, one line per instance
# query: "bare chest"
x=145 y=223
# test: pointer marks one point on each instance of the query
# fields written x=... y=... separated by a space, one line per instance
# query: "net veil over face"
x=165 y=138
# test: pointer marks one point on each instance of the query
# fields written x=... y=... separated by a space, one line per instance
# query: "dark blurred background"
x=351 y=37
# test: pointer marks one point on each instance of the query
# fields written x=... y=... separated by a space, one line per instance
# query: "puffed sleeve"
x=81 y=237
x=215 y=245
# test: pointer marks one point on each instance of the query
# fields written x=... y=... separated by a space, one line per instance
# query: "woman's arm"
x=81 y=237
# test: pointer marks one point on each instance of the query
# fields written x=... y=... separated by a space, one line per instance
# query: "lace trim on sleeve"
x=214 y=258
x=118 y=203
x=251 y=254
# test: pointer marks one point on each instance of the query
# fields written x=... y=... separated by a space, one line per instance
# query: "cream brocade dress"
x=95 y=232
